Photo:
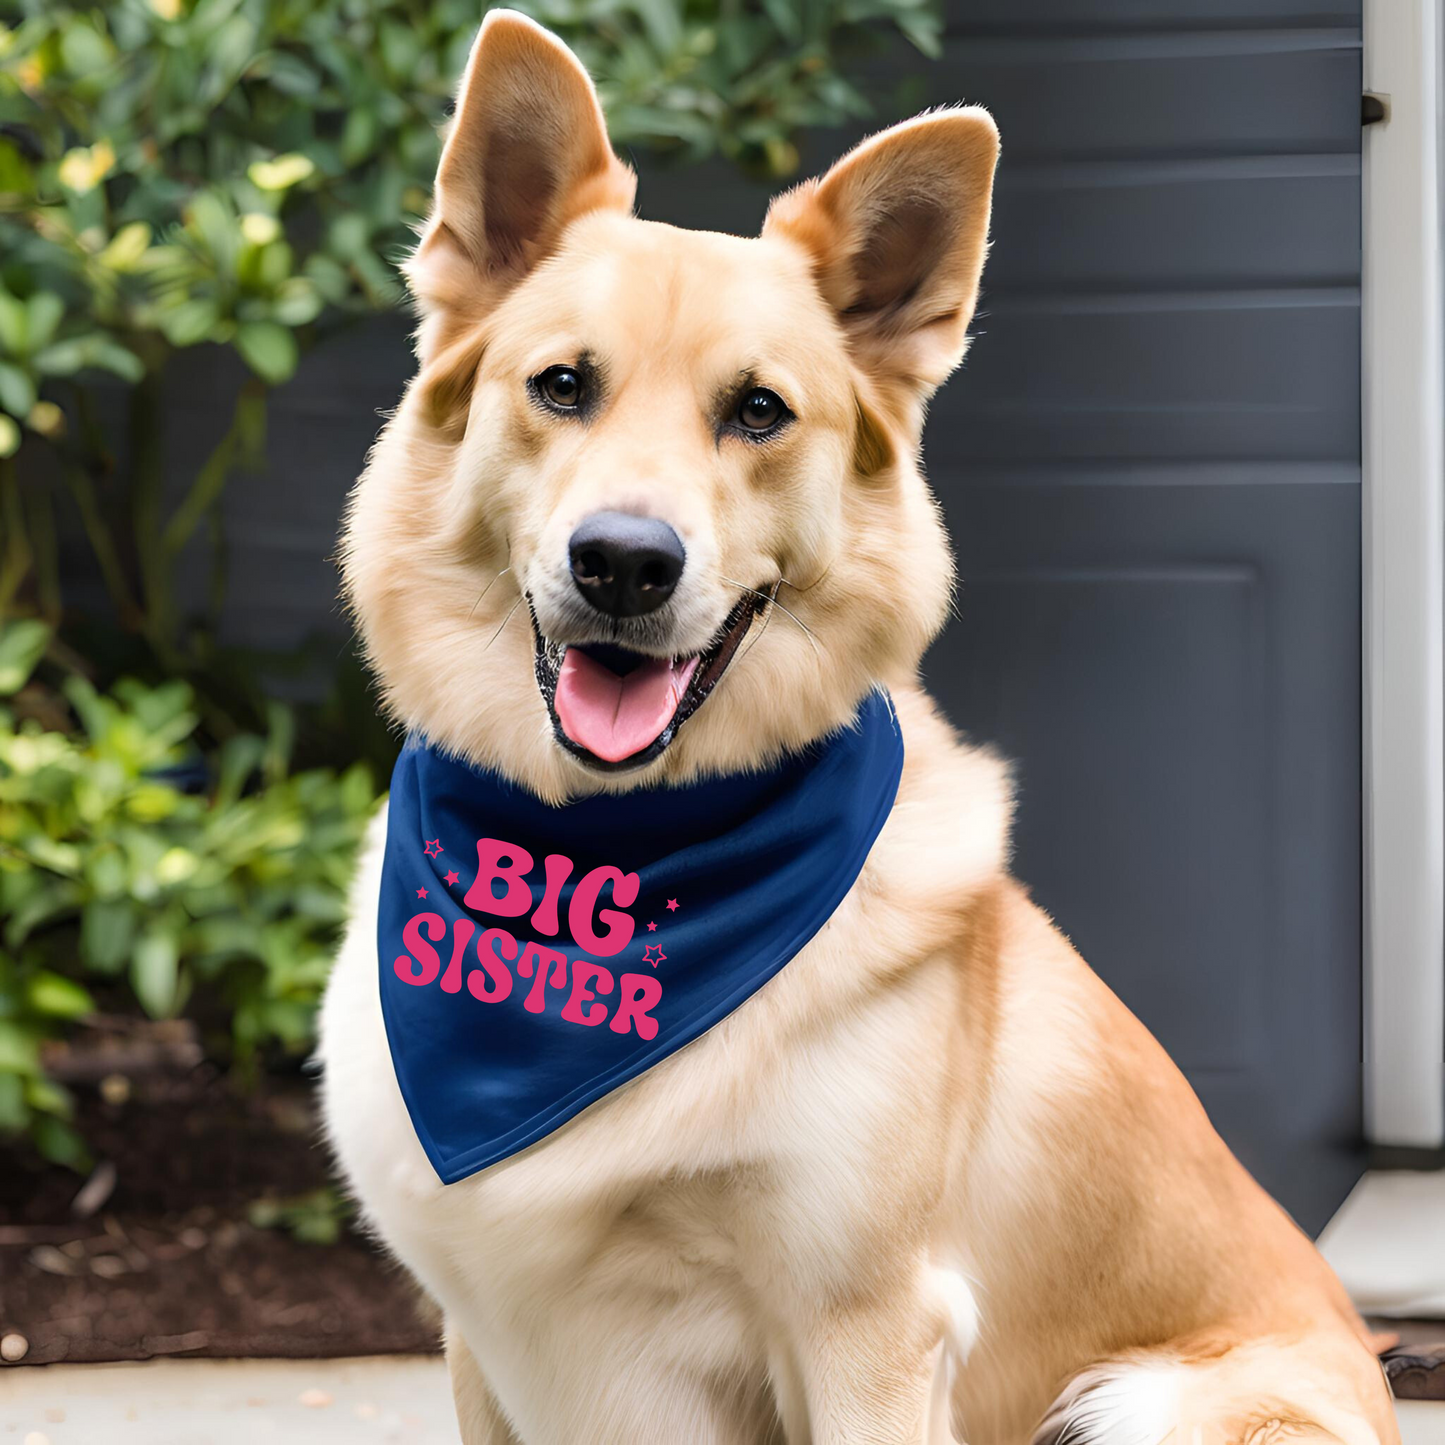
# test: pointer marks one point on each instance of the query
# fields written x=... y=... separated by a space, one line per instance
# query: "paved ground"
x=258 y=1402
x=229 y=1402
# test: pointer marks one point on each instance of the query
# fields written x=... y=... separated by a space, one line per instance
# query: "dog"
x=933 y=1182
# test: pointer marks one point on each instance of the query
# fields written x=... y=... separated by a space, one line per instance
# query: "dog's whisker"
x=505 y=621
x=758 y=636
x=485 y=590
x=822 y=576
x=771 y=598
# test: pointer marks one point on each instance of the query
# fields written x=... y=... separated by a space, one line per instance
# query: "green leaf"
x=9 y=436
x=49 y=993
x=19 y=1049
x=14 y=325
x=83 y=50
x=297 y=303
x=14 y=1112
x=43 y=313
x=49 y=1097
x=107 y=931
x=22 y=645
x=191 y=322
x=240 y=757
x=17 y=390
x=268 y=349
x=218 y=229
x=59 y=1143
x=53 y=900
x=155 y=972
x=17 y=180
x=358 y=136
x=288 y=73
x=81 y=353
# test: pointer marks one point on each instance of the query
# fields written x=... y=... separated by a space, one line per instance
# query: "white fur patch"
x=1117 y=1405
x=961 y=1331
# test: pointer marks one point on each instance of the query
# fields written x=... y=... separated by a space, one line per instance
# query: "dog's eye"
x=560 y=386
x=761 y=410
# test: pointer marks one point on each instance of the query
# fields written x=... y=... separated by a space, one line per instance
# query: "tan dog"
x=933 y=1182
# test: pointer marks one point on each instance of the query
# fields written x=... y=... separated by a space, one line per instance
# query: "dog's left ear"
x=897 y=232
x=527 y=153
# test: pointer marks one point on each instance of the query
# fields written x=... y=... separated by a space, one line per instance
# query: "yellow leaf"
x=46 y=418
x=260 y=229
x=175 y=866
x=281 y=173
x=127 y=246
x=85 y=167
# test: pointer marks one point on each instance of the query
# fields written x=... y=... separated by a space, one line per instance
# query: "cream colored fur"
x=933 y=1182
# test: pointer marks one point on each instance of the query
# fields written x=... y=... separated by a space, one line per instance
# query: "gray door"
x=1151 y=466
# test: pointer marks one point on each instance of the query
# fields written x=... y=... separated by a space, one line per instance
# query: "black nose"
x=625 y=565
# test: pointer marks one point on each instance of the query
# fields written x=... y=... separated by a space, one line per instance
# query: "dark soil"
x=168 y=1260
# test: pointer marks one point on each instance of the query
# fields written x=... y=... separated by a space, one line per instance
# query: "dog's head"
x=652 y=505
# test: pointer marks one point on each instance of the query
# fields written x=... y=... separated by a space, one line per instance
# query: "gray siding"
x=1151 y=466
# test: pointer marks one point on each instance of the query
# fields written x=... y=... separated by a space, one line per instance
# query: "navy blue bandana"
x=534 y=958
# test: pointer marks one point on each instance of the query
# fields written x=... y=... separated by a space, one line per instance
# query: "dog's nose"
x=625 y=565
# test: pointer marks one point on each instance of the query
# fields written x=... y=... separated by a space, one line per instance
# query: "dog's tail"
x=1319 y=1386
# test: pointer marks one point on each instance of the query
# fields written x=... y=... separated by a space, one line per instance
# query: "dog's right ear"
x=897 y=232
x=526 y=155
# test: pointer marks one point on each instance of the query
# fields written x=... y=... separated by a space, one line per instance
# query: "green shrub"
x=133 y=868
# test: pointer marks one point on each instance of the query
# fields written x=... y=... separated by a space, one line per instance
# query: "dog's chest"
x=664 y=1260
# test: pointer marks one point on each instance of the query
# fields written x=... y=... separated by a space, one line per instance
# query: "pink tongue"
x=614 y=717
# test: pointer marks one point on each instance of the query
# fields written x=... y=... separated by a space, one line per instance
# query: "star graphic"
x=451 y=878
x=421 y=892
x=672 y=905
x=647 y=954
x=652 y=928
x=433 y=848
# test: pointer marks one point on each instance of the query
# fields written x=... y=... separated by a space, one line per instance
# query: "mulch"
x=156 y=1253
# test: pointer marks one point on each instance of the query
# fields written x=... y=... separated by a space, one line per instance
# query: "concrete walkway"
x=399 y=1399
x=309 y=1402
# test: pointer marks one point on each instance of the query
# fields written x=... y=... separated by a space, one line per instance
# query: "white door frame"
x=1403 y=396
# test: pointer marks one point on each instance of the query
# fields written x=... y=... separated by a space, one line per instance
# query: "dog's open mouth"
x=617 y=709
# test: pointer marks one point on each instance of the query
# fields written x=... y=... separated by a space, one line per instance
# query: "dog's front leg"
x=479 y=1416
x=873 y=1372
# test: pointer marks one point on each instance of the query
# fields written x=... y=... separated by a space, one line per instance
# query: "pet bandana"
x=534 y=958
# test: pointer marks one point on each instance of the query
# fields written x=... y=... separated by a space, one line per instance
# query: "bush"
x=132 y=866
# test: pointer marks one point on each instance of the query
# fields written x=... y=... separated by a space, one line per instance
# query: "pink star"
x=647 y=954
x=652 y=928
x=421 y=892
x=451 y=878
x=433 y=848
x=672 y=905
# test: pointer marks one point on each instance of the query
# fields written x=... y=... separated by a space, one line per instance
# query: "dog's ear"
x=527 y=153
x=897 y=232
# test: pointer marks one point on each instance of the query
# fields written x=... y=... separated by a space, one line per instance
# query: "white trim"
x=1404 y=586
x=1387 y=1244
